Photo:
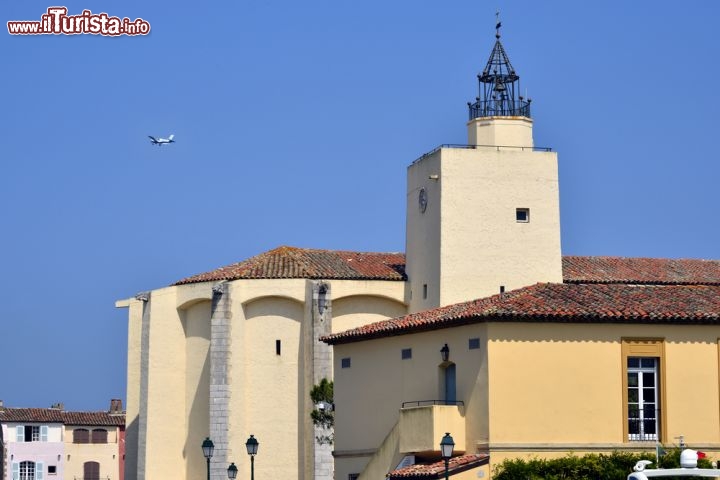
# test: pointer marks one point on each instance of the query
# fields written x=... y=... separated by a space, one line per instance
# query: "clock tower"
x=485 y=216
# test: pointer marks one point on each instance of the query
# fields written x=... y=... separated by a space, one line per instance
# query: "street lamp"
x=252 y=448
x=208 y=447
x=232 y=471
x=445 y=353
x=446 y=449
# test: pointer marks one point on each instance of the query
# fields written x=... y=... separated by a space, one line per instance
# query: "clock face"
x=422 y=200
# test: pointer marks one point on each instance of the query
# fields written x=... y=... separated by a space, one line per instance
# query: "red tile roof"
x=292 y=262
x=658 y=271
x=560 y=302
x=54 y=415
x=437 y=469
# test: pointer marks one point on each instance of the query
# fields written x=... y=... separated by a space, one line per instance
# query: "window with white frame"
x=27 y=471
x=31 y=433
x=642 y=398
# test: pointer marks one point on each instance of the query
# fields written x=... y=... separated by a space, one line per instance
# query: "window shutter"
x=20 y=433
x=15 y=471
x=39 y=470
x=43 y=433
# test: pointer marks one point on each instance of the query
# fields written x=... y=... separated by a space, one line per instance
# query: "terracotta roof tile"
x=49 y=415
x=658 y=271
x=292 y=262
x=560 y=302
x=54 y=415
x=437 y=469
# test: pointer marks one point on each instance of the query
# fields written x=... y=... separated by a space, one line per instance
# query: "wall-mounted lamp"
x=445 y=353
x=322 y=298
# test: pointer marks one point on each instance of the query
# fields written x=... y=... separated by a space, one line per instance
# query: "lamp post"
x=208 y=447
x=445 y=353
x=232 y=471
x=446 y=449
x=252 y=448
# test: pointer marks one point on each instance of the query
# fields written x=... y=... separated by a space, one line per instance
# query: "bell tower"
x=500 y=114
x=484 y=217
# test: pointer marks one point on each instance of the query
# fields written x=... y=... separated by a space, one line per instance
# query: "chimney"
x=116 y=405
x=2 y=406
x=58 y=406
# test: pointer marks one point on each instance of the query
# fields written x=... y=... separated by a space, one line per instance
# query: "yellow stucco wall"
x=530 y=389
x=468 y=243
x=268 y=391
x=106 y=454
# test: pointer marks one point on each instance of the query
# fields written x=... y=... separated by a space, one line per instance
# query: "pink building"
x=53 y=444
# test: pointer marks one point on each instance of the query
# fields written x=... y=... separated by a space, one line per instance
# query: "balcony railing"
x=424 y=403
x=494 y=108
x=486 y=147
x=643 y=425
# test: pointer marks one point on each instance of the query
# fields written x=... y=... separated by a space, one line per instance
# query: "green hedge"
x=613 y=466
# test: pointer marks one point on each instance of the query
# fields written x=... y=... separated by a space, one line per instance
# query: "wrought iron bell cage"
x=499 y=88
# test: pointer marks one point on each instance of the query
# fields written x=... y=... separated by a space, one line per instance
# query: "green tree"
x=323 y=415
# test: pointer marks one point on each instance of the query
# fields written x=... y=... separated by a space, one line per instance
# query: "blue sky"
x=295 y=122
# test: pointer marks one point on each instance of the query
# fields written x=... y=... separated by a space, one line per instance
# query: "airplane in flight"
x=161 y=141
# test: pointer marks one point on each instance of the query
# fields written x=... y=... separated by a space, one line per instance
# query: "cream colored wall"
x=504 y=131
x=196 y=325
x=106 y=454
x=267 y=391
x=422 y=238
x=379 y=381
x=531 y=389
x=132 y=393
x=468 y=243
x=357 y=310
x=271 y=387
x=167 y=439
x=573 y=374
x=483 y=246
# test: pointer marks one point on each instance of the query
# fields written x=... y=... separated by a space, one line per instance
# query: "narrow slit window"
x=522 y=215
x=424 y=291
x=278 y=347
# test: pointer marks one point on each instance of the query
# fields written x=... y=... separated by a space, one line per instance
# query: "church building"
x=481 y=329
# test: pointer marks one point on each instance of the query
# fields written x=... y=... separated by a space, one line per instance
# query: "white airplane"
x=160 y=141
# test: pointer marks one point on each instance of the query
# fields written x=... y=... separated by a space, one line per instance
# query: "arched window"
x=27 y=470
x=99 y=435
x=91 y=471
x=81 y=435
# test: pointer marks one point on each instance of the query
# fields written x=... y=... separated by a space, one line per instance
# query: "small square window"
x=52 y=470
x=406 y=353
x=522 y=215
x=474 y=343
x=345 y=363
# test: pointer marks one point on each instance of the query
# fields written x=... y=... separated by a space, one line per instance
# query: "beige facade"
x=529 y=389
x=464 y=239
x=104 y=451
x=228 y=359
